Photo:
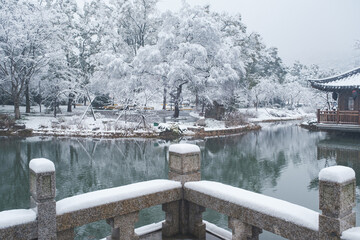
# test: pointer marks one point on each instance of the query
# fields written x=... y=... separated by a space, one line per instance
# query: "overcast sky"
x=312 y=31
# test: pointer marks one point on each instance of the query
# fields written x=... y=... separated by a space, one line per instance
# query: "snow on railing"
x=183 y=201
x=256 y=204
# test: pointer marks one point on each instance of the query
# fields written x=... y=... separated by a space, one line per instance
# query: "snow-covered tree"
x=135 y=21
x=26 y=34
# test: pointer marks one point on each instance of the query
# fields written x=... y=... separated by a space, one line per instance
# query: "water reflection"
x=342 y=150
x=281 y=160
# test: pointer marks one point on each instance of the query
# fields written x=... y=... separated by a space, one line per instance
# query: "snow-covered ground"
x=106 y=124
x=276 y=114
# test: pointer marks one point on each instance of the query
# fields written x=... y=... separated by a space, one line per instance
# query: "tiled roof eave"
x=334 y=88
x=338 y=77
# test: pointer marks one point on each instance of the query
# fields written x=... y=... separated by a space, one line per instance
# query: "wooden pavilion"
x=345 y=90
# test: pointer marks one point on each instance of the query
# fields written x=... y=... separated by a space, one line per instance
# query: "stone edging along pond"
x=197 y=132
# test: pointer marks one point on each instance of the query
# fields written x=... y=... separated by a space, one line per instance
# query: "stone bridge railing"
x=183 y=198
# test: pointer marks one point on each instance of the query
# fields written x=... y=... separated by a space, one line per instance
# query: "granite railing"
x=183 y=198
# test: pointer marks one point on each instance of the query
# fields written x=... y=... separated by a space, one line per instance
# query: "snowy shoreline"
x=104 y=127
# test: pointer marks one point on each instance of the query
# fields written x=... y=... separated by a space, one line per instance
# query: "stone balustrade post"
x=243 y=231
x=123 y=227
x=42 y=190
x=182 y=216
x=336 y=201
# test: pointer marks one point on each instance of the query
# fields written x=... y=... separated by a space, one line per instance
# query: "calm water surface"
x=282 y=160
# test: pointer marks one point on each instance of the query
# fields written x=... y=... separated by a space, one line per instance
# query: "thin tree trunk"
x=27 y=98
x=70 y=100
x=40 y=100
x=55 y=106
x=69 y=106
x=164 y=99
x=177 y=99
x=196 y=100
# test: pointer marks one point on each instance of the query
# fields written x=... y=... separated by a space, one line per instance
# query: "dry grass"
x=235 y=119
x=6 y=122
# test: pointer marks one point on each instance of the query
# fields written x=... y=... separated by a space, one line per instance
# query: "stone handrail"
x=110 y=204
x=183 y=198
x=56 y=220
x=249 y=212
x=18 y=229
x=254 y=211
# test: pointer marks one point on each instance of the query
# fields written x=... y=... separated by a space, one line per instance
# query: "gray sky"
x=312 y=31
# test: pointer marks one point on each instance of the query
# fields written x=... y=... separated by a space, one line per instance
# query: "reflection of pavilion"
x=346 y=153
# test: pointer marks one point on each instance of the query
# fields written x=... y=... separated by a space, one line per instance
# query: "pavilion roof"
x=348 y=80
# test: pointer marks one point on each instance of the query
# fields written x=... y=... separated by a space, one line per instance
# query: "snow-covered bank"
x=107 y=126
x=276 y=114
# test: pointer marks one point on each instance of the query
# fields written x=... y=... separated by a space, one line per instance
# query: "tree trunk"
x=70 y=100
x=40 y=100
x=17 y=108
x=177 y=99
x=69 y=105
x=164 y=99
x=55 y=106
x=27 y=98
x=196 y=100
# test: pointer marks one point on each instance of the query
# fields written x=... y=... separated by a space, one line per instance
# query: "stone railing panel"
x=20 y=231
x=282 y=227
x=110 y=210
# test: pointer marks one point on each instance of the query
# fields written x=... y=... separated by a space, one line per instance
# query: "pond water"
x=281 y=160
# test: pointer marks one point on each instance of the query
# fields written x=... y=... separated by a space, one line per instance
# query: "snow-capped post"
x=42 y=190
x=336 y=201
x=182 y=216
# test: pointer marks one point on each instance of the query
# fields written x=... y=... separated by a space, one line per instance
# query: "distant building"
x=345 y=90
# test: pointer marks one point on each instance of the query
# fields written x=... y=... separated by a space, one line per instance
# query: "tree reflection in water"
x=281 y=160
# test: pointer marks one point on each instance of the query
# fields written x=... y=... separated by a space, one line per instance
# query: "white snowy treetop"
x=184 y=148
x=41 y=165
x=15 y=217
x=261 y=203
x=337 y=174
x=97 y=198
